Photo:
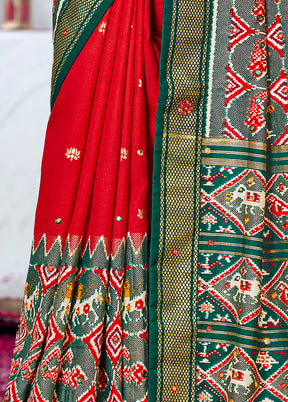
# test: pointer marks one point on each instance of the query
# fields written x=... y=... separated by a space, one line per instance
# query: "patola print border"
x=176 y=200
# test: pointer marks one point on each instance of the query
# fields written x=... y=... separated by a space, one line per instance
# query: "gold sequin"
x=174 y=388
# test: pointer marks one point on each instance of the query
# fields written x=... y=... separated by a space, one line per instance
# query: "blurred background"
x=25 y=75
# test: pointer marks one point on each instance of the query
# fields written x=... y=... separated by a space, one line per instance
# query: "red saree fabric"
x=78 y=338
x=102 y=108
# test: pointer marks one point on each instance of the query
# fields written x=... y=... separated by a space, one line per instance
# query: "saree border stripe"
x=79 y=20
x=241 y=344
x=176 y=201
x=155 y=221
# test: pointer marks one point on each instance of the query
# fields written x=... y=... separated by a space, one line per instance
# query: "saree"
x=159 y=262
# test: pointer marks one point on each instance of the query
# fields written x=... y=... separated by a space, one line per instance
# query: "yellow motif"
x=123 y=154
x=250 y=180
x=140 y=83
x=72 y=153
x=69 y=290
x=80 y=288
x=140 y=213
x=127 y=289
x=102 y=27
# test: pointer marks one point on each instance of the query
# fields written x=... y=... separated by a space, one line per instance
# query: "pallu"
x=159 y=263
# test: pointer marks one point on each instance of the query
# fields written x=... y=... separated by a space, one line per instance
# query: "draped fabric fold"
x=83 y=328
x=166 y=152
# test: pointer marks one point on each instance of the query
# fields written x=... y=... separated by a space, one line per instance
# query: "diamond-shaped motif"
x=283 y=138
x=276 y=215
x=116 y=277
x=277 y=284
x=275 y=36
x=11 y=393
x=53 y=335
x=89 y=396
x=240 y=30
x=238 y=289
x=236 y=85
x=278 y=91
x=48 y=276
x=232 y=376
x=38 y=333
x=114 y=340
x=22 y=331
x=36 y=395
x=231 y=132
x=94 y=342
x=115 y=395
x=236 y=198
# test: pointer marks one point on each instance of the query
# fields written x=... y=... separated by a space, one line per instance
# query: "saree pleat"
x=83 y=327
x=211 y=221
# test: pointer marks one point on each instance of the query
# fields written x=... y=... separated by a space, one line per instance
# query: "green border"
x=78 y=46
x=155 y=227
x=155 y=222
x=198 y=145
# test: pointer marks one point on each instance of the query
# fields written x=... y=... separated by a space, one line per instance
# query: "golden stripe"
x=276 y=251
x=230 y=324
x=253 y=338
x=240 y=344
x=279 y=169
x=242 y=153
x=180 y=136
x=233 y=245
x=216 y=234
x=235 y=143
x=243 y=254
x=276 y=241
x=234 y=162
x=279 y=158
x=279 y=148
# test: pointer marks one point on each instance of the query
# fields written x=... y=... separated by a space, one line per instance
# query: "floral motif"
x=204 y=397
x=123 y=154
x=186 y=108
x=102 y=27
x=139 y=304
x=72 y=154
